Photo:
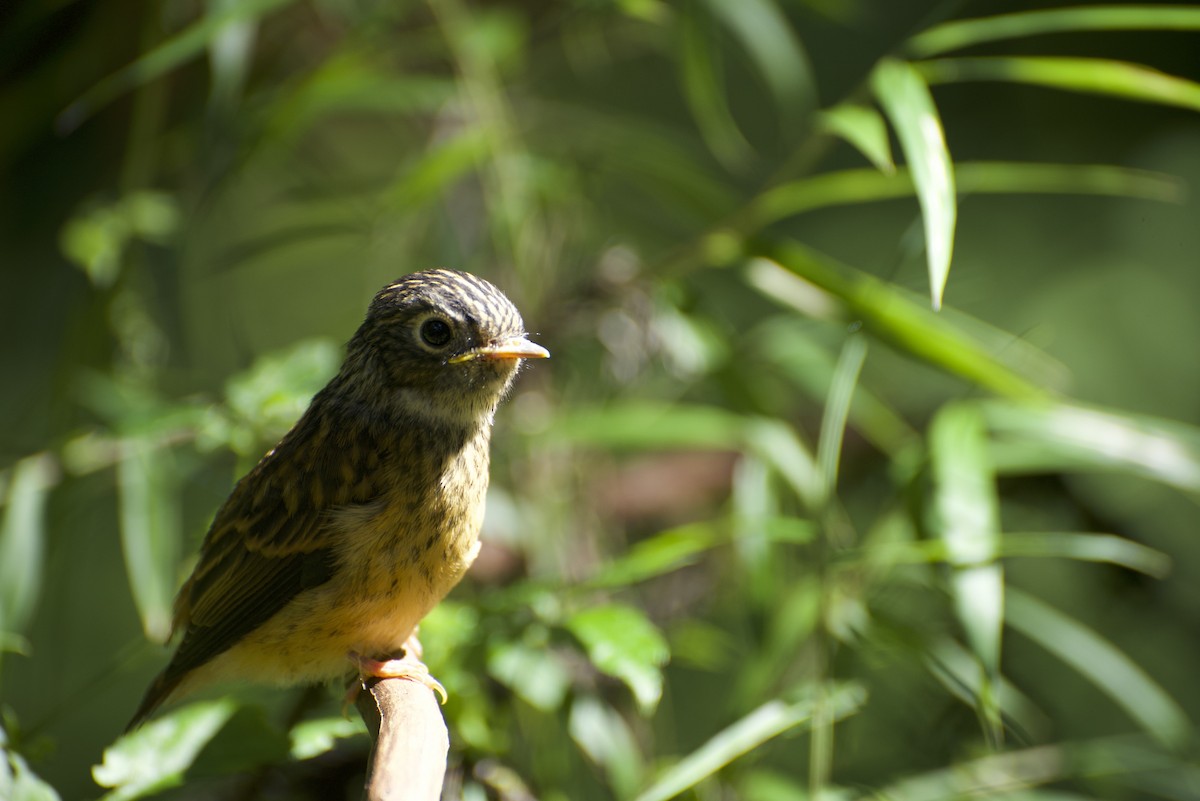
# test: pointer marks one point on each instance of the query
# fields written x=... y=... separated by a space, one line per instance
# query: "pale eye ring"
x=436 y=332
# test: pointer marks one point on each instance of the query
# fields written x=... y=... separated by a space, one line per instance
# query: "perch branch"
x=408 y=762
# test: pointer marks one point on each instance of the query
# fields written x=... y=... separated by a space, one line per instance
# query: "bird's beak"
x=512 y=348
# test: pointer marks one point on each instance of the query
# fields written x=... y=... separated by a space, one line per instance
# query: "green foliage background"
x=767 y=526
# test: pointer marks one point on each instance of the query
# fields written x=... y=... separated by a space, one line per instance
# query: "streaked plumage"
x=368 y=511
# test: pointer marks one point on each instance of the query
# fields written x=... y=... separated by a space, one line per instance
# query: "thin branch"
x=408 y=762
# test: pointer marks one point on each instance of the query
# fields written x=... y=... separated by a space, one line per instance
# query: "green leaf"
x=1088 y=75
x=1101 y=663
x=22 y=545
x=965 y=516
x=905 y=99
x=605 y=737
x=1088 y=548
x=156 y=756
x=837 y=410
x=891 y=315
x=704 y=87
x=958 y=34
x=662 y=553
x=174 y=52
x=17 y=781
x=649 y=425
x=536 y=674
x=622 y=642
x=770 y=42
x=863 y=128
x=149 y=494
x=741 y=737
x=311 y=738
x=1057 y=437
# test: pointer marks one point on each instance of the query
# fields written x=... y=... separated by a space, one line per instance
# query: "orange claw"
x=408 y=667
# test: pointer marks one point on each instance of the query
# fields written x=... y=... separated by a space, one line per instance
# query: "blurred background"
x=769 y=525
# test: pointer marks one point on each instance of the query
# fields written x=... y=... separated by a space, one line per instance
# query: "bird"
x=330 y=551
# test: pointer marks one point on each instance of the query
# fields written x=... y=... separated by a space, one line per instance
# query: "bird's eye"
x=436 y=332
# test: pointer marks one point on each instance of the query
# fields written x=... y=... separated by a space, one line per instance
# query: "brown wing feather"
x=270 y=540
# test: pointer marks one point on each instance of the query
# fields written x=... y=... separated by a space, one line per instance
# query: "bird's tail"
x=160 y=690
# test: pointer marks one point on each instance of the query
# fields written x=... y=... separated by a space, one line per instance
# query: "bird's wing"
x=271 y=539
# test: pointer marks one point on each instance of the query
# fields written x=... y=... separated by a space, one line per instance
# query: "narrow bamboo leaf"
x=965 y=516
x=905 y=99
x=23 y=544
x=1089 y=75
x=622 y=642
x=769 y=41
x=765 y=723
x=1041 y=437
x=1088 y=548
x=958 y=34
x=863 y=128
x=662 y=553
x=1101 y=663
x=959 y=672
x=837 y=410
x=891 y=315
x=850 y=187
x=439 y=167
x=779 y=445
x=177 y=50
x=642 y=424
x=704 y=87
x=148 y=489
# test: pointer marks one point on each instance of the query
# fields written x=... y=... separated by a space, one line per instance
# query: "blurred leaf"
x=622 y=642
x=965 y=516
x=1089 y=548
x=175 y=51
x=148 y=490
x=535 y=673
x=1042 y=438
x=765 y=723
x=704 y=88
x=960 y=673
x=837 y=410
x=1101 y=663
x=648 y=425
x=17 y=781
x=311 y=738
x=778 y=444
x=889 y=314
x=157 y=755
x=845 y=187
x=770 y=42
x=95 y=240
x=957 y=34
x=22 y=544
x=1089 y=75
x=905 y=99
x=605 y=737
x=863 y=128
x=439 y=167
x=662 y=553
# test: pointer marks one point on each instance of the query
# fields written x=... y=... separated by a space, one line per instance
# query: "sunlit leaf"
x=957 y=34
x=156 y=756
x=744 y=735
x=662 y=553
x=644 y=424
x=905 y=99
x=1103 y=664
x=863 y=128
x=1089 y=75
x=886 y=312
x=536 y=674
x=1058 y=437
x=311 y=738
x=622 y=642
x=837 y=410
x=17 y=781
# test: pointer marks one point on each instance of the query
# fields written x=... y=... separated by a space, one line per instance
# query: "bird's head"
x=444 y=344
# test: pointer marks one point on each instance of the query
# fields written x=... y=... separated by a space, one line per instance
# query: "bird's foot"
x=408 y=666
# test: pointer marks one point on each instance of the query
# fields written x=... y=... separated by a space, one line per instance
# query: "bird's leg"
x=406 y=666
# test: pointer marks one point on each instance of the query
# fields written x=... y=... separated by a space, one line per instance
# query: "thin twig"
x=408 y=762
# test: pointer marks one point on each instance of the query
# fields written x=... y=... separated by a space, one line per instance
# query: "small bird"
x=367 y=512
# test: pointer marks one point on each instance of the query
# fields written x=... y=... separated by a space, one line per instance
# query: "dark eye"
x=435 y=332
